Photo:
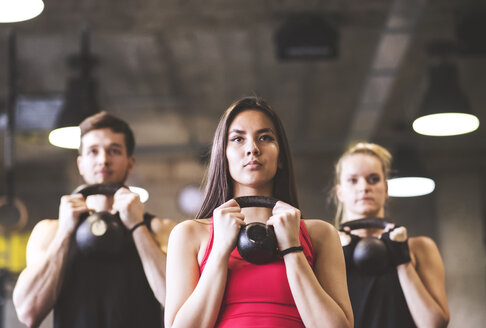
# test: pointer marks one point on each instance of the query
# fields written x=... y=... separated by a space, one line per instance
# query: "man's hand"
x=129 y=206
x=70 y=209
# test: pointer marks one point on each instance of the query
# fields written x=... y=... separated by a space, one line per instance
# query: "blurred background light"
x=12 y=11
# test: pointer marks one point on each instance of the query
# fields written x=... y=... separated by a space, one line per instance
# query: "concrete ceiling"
x=176 y=65
x=172 y=67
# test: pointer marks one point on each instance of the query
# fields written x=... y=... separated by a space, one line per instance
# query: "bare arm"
x=194 y=300
x=423 y=284
x=321 y=295
x=152 y=249
x=150 y=246
x=39 y=284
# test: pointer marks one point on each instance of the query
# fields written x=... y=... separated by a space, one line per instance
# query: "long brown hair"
x=219 y=184
x=366 y=148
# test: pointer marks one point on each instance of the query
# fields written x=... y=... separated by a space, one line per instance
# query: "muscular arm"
x=39 y=284
x=321 y=295
x=152 y=247
x=193 y=301
x=423 y=284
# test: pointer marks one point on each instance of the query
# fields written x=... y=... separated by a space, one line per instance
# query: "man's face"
x=104 y=157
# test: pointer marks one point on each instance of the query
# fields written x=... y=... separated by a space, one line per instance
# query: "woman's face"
x=362 y=187
x=252 y=153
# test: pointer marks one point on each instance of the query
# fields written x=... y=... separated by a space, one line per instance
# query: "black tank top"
x=377 y=301
x=107 y=293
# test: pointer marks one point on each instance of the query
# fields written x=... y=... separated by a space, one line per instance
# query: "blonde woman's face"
x=362 y=187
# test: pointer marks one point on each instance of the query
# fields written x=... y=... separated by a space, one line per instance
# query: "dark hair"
x=219 y=184
x=103 y=120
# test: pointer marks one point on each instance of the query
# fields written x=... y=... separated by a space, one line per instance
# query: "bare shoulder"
x=43 y=233
x=423 y=246
x=320 y=226
x=41 y=237
x=47 y=224
x=192 y=228
x=320 y=231
x=190 y=235
x=161 y=229
x=162 y=225
x=421 y=243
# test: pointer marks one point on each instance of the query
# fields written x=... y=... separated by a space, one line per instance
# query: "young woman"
x=209 y=284
x=411 y=292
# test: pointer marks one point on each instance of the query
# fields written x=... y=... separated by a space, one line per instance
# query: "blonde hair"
x=365 y=148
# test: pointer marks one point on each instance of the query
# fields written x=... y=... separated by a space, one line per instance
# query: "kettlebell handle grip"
x=257 y=242
x=256 y=201
x=365 y=223
x=97 y=189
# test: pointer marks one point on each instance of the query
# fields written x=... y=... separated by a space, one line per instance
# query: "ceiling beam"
x=393 y=44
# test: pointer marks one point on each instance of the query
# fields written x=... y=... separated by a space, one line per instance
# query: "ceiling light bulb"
x=12 y=11
x=410 y=186
x=446 y=124
x=67 y=137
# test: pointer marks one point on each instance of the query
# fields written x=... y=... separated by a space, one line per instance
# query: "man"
x=87 y=291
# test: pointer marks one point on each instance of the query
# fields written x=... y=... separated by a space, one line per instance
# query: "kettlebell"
x=257 y=242
x=370 y=254
x=100 y=234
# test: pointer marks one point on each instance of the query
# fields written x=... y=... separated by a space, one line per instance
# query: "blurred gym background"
x=335 y=71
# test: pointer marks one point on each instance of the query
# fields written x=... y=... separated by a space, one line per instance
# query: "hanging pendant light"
x=12 y=11
x=445 y=109
x=79 y=103
x=410 y=179
x=80 y=100
x=410 y=186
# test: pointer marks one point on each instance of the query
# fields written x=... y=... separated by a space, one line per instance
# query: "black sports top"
x=107 y=293
x=377 y=300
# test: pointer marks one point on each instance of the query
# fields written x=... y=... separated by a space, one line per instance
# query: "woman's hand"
x=345 y=236
x=396 y=241
x=285 y=220
x=399 y=234
x=227 y=221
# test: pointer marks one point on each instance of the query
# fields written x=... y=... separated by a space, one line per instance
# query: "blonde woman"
x=411 y=291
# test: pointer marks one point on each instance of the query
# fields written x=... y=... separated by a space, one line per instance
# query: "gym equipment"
x=100 y=233
x=257 y=242
x=370 y=254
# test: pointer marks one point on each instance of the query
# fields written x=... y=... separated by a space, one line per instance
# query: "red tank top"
x=259 y=295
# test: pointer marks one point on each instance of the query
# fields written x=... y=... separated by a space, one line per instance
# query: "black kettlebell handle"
x=256 y=201
x=112 y=237
x=257 y=242
x=370 y=254
x=98 y=189
x=365 y=223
